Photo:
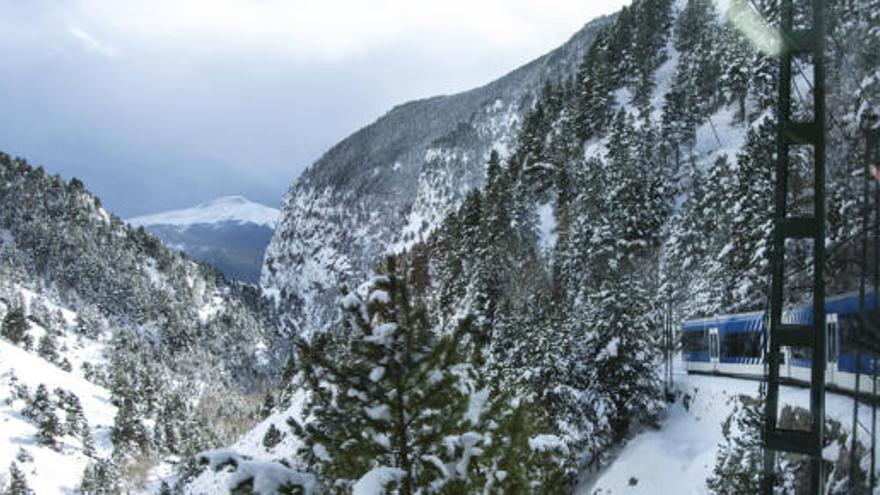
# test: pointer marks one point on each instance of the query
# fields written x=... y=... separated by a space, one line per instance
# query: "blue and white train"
x=734 y=344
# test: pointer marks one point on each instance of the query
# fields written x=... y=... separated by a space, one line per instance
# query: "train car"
x=734 y=344
x=730 y=344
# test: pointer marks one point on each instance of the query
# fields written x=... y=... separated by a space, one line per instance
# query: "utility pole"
x=809 y=41
x=872 y=152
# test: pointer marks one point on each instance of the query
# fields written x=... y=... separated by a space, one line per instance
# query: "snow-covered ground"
x=680 y=456
x=56 y=470
x=250 y=447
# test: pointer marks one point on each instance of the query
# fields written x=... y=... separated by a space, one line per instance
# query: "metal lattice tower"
x=800 y=42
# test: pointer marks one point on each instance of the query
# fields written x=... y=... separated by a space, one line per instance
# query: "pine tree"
x=75 y=422
x=15 y=325
x=169 y=432
x=128 y=434
x=41 y=411
x=268 y=405
x=623 y=347
x=100 y=477
x=17 y=482
x=49 y=428
x=388 y=397
x=37 y=404
x=47 y=348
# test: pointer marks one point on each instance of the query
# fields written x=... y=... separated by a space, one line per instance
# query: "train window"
x=802 y=353
x=847 y=331
x=694 y=341
x=741 y=345
x=831 y=343
x=713 y=345
x=850 y=331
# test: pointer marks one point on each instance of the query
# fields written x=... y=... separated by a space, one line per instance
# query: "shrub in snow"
x=65 y=365
x=739 y=464
x=15 y=326
x=272 y=437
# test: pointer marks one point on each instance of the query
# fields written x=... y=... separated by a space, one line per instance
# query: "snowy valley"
x=470 y=295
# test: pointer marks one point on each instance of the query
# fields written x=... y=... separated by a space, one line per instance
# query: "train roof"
x=848 y=303
x=725 y=319
x=842 y=303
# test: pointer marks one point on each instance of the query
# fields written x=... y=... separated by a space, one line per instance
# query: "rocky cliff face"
x=388 y=185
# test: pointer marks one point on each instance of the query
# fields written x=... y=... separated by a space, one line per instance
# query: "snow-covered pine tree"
x=47 y=347
x=746 y=259
x=383 y=391
x=623 y=333
x=101 y=477
x=17 y=482
x=128 y=433
x=41 y=411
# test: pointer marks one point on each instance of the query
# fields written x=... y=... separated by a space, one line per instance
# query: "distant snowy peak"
x=236 y=209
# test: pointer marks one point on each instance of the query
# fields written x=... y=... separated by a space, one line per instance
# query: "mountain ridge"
x=229 y=233
x=224 y=209
x=390 y=183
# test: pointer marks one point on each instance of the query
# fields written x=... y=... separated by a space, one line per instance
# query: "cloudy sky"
x=161 y=104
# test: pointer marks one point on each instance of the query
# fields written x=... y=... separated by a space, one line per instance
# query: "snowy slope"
x=251 y=447
x=391 y=183
x=182 y=337
x=235 y=209
x=680 y=456
x=51 y=470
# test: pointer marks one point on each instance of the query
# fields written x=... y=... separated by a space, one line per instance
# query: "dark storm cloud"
x=164 y=104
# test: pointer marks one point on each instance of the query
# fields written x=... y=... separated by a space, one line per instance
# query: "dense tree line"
x=644 y=216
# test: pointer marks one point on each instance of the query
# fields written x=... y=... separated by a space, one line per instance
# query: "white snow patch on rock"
x=547 y=226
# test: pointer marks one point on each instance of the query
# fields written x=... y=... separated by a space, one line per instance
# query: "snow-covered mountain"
x=160 y=355
x=388 y=185
x=229 y=209
x=229 y=233
x=643 y=181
